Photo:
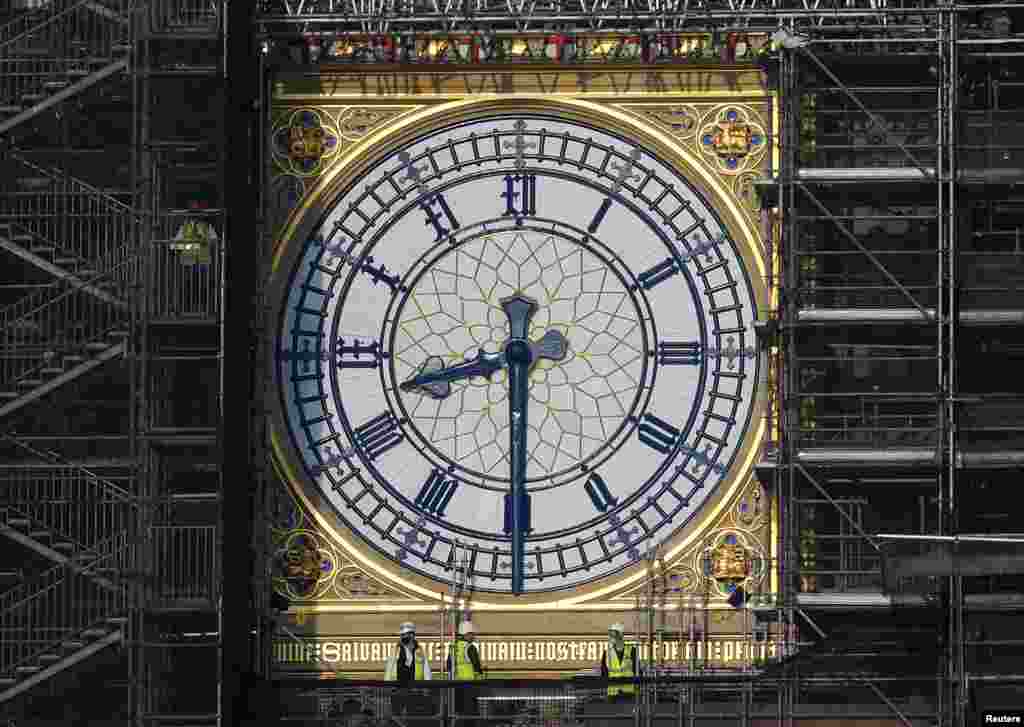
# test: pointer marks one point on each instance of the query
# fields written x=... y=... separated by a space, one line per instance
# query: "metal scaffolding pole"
x=238 y=342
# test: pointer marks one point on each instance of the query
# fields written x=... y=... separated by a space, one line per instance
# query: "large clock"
x=516 y=300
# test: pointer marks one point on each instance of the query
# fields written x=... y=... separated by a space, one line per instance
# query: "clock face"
x=397 y=345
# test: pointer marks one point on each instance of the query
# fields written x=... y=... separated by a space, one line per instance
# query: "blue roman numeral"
x=679 y=353
x=526 y=196
x=357 y=355
x=659 y=273
x=598 y=492
x=658 y=434
x=599 y=216
x=436 y=493
x=378 y=435
x=524 y=510
x=435 y=218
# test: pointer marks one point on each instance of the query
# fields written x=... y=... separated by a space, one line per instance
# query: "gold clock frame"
x=621 y=106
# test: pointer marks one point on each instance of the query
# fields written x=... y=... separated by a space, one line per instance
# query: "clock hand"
x=519 y=355
x=435 y=380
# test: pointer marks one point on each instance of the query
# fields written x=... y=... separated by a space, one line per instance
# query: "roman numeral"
x=378 y=435
x=435 y=218
x=436 y=493
x=598 y=492
x=599 y=216
x=659 y=273
x=524 y=510
x=657 y=433
x=679 y=353
x=356 y=355
x=526 y=196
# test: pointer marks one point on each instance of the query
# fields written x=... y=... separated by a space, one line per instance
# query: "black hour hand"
x=434 y=380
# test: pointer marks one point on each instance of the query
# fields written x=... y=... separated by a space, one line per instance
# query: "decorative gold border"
x=358 y=159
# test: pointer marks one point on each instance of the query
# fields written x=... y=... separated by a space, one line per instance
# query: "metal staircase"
x=81 y=521
x=39 y=22
x=61 y=617
x=57 y=342
x=81 y=237
x=57 y=52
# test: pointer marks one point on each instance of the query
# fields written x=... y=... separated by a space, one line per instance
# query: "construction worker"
x=409 y=662
x=619 y=661
x=464 y=665
x=408 y=665
x=194 y=246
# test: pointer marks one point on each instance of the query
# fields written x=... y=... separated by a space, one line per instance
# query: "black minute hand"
x=519 y=356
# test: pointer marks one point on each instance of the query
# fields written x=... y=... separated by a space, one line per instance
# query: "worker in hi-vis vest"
x=408 y=664
x=619 y=661
x=464 y=665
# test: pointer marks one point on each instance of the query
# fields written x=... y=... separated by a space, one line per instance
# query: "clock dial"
x=522 y=301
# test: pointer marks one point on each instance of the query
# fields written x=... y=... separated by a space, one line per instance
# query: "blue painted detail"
x=358 y=355
x=527 y=195
x=334 y=459
x=335 y=249
x=657 y=434
x=435 y=218
x=436 y=493
x=659 y=273
x=599 y=216
x=306 y=358
x=703 y=459
x=380 y=274
x=708 y=140
x=597 y=489
x=410 y=538
x=702 y=247
x=378 y=435
x=625 y=537
x=524 y=505
x=679 y=353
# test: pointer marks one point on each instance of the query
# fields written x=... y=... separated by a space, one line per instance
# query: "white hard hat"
x=466 y=627
x=407 y=628
x=617 y=627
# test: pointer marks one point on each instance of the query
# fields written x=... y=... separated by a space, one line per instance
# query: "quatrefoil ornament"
x=305 y=142
x=732 y=140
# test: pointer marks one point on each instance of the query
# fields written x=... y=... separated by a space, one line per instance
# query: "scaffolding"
x=894 y=228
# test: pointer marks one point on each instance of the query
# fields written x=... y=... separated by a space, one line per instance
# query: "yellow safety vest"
x=418 y=660
x=464 y=670
x=192 y=243
x=620 y=669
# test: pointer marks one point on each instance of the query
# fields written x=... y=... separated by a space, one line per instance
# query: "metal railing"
x=86 y=566
x=194 y=15
x=66 y=24
x=854 y=430
x=70 y=506
x=75 y=218
x=67 y=329
x=186 y=273
x=707 y=699
x=25 y=82
x=184 y=563
x=61 y=605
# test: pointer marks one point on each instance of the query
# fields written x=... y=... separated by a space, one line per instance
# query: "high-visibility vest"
x=391 y=673
x=464 y=670
x=620 y=669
